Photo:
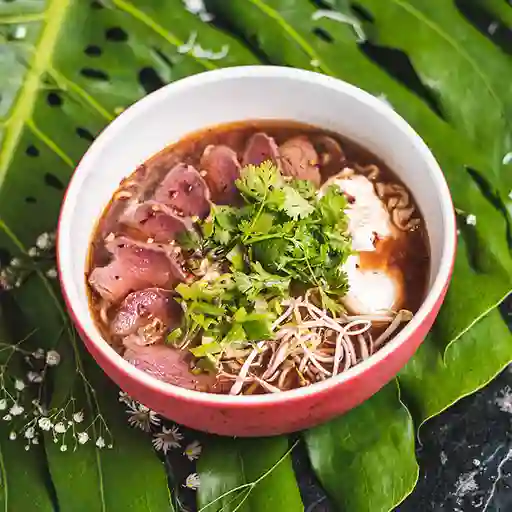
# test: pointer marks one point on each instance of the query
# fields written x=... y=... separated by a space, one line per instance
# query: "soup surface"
x=256 y=257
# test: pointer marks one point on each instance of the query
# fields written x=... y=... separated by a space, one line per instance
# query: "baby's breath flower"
x=83 y=437
x=16 y=410
x=167 y=439
x=78 y=417
x=16 y=262
x=59 y=427
x=45 y=423
x=3 y=404
x=193 y=450
x=19 y=385
x=63 y=448
x=34 y=377
x=35 y=440
x=33 y=252
x=7 y=417
x=125 y=398
x=142 y=417
x=51 y=273
x=192 y=481
x=27 y=447
x=52 y=358
x=43 y=241
x=30 y=432
x=12 y=436
x=38 y=354
x=100 y=442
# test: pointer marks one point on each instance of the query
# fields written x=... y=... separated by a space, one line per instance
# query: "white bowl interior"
x=237 y=94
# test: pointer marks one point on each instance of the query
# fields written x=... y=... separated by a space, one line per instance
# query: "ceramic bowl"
x=248 y=93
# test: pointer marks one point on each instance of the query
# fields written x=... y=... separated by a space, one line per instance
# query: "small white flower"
x=16 y=410
x=45 y=424
x=110 y=446
x=142 y=417
x=125 y=398
x=471 y=220
x=27 y=447
x=83 y=437
x=12 y=436
x=15 y=262
x=78 y=417
x=52 y=358
x=63 y=448
x=7 y=417
x=192 y=481
x=59 y=427
x=193 y=450
x=32 y=252
x=3 y=404
x=100 y=442
x=167 y=439
x=30 y=432
x=35 y=440
x=19 y=385
x=51 y=273
x=38 y=354
x=43 y=241
x=34 y=377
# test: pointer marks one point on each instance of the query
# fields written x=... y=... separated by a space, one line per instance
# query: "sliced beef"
x=185 y=191
x=134 y=266
x=222 y=169
x=169 y=365
x=260 y=148
x=149 y=313
x=156 y=221
x=299 y=159
x=331 y=157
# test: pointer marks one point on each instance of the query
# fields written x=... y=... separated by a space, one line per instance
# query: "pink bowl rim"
x=429 y=304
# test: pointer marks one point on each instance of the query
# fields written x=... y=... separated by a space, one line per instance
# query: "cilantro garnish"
x=284 y=234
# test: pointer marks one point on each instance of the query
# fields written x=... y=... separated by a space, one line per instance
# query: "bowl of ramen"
x=255 y=250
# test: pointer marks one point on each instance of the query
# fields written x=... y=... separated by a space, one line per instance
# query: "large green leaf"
x=68 y=67
x=288 y=32
x=249 y=475
x=365 y=460
x=433 y=381
x=477 y=98
x=23 y=476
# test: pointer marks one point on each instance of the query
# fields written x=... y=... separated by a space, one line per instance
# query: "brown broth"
x=409 y=256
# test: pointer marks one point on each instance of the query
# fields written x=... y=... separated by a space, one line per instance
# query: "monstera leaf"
x=70 y=66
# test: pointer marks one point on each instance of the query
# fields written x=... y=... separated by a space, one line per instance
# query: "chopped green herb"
x=285 y=234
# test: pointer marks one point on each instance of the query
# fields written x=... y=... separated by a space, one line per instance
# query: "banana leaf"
x=365 y=459
x=247 y=475
x=68 y=67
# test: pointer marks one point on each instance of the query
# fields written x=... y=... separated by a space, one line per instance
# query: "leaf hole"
x=5 y=257
x=85 y=134
x=363 y=13
x=150 y=80
x=54 y=99
x=93 y=51
x=116 y=35
x=398 y=65
x=52 y=181
x=323 y=34
x=32 y=151
x=94 y=74
x=30 y=200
